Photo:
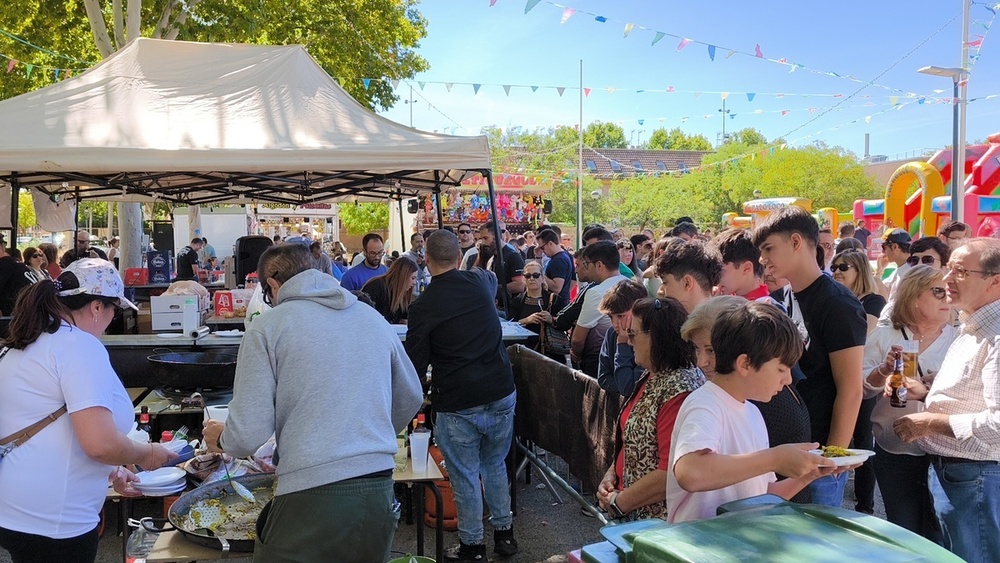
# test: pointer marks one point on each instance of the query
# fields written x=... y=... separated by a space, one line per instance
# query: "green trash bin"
x=782 y=532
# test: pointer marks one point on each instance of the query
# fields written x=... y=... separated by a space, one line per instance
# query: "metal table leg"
x=439 y=516
x=420 y=520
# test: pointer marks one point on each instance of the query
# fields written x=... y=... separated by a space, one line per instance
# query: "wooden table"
x=173 y=546
x=423 y=481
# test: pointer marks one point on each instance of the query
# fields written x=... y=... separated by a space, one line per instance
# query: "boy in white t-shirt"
x=719 y=449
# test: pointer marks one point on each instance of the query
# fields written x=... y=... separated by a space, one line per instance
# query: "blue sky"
x=469 y=42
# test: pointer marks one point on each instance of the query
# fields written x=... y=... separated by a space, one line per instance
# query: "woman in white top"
x=921 y=313
x=53 y=485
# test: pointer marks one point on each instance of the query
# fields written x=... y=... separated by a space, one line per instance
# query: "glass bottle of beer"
x=898 y=397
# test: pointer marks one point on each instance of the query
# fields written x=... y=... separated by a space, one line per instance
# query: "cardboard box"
x=136 y=276
x=223 y=302
x=168 y=321
x=174 y=303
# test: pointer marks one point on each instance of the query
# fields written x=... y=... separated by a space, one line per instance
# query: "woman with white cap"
x=54 y=469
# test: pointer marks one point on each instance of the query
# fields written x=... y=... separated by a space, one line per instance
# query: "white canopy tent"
x=199 y=123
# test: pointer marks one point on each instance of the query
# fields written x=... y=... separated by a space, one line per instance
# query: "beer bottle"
x=898 y=397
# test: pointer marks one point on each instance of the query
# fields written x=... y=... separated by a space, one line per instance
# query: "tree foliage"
x=350 y=39
x=600 y=135
x=677 y=140
x=361 y=218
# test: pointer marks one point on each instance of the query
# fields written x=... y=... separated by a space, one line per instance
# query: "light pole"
x=725 y=114
x=410 y=101
x=957 y=75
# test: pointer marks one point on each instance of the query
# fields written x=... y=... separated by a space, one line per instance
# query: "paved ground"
x=545 y=531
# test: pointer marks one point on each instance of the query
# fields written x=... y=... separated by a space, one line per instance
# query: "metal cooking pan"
x=262 y=486
x=208 y=368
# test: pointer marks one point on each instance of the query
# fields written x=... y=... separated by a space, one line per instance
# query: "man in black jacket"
x=454 y=327
x=14 y=276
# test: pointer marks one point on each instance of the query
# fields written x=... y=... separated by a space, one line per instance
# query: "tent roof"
x=207 y=123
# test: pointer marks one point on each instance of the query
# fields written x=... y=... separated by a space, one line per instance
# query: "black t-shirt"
x=72 y=255
x=377 y=289
x=862 y=234
x=14 y=276
x=561 y=266
x=453 y=326
x=187 y=259
x=835 y=321
x=873 y=304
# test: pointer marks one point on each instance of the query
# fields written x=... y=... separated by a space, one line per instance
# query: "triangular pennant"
x=785 y=112
x=683 y=43
x=893 y=100
x=10 y=65
x=758 y=111
x=730 y=54
x=567 y=14
x=601 y=19
x=757 y=52
x=611 y=89
x=448 y=85
x=506 y=89
x=838 y=95
x=69 y=72
x=475 y=88
x=812 y=110
x=921 y=101
x=779 y=96
x=711 y=52
x=367 y=81
x=656 y=39
x=628 y=28
x=531 y=4
x=586 y=92
x=794 y=68
x=560 y=89
x=30 y=68
x=395 y=84
x=421 y=84
x=641 y=121
x=670 y=89
x=732 y=116
x=750 y=96
x=725 y=95
x=868 y=119
x=534 y=88
x=57 y=74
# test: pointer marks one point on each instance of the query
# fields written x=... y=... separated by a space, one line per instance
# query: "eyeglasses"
x=532 y=276
x=939 y=293
x=465 y=231
x=914 y=260
x=960 y=273
x=840 y=267
x=373 y=254
x=632 y=333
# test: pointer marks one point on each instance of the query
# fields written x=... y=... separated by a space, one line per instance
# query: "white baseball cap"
x=98 y=277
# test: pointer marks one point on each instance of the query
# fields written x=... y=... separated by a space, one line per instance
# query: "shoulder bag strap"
x=21 y=436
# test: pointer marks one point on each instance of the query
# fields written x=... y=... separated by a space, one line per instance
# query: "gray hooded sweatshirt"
x=330 y=377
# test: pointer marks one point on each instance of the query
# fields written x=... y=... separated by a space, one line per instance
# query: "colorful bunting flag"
x=10 y=65
x=586 y=92
x=757 y=52
x=670 y=89
x=567 y=14
x=711 y=52
x=601 y=19
x=894 y=100
x=560 y=89
x=868 y=119
x=641 y=121
x=683 y=43
x=475 y=89
x=750 y=96
x=30 y=68
x=730 y=54
x=448 y=85
x=367 y=82
x=534 y=88
x=493 y=3
x=531 y=4
x=506 y=89
x=785 y=112
x=421 y=84
x=628 y=28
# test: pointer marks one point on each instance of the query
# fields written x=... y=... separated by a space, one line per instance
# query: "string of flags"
x=31 y=45
x=711 y=48
x=29 y=68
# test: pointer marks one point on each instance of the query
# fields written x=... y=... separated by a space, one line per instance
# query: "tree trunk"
x=130 y=227
x=99 y=28
x=134 y=15
x=118 y=17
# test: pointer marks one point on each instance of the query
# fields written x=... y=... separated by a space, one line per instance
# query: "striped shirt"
x=968 y=390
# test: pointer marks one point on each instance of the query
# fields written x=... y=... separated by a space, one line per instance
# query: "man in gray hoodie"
x=335 y=418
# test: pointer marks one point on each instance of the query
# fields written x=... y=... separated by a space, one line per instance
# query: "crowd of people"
x=735 y=355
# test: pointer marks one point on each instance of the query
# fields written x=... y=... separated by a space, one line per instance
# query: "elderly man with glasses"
x=374 y=251
x=960 y=427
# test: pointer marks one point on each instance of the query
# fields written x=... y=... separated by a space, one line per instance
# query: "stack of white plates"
x=162 y=482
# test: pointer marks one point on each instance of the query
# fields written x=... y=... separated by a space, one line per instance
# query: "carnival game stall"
x=521 y=202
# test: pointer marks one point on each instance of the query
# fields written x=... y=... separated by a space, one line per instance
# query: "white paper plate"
x=155 y=488
x=229 y=333
x=159 y=477
x=857 y=456
x=162 y=492
x=170 y=334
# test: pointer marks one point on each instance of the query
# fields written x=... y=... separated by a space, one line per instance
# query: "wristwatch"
x=613 y=505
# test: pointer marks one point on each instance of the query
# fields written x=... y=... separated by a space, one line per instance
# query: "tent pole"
x=488 y=174
x=402 y=229
x=15 y=190
x=76 y=218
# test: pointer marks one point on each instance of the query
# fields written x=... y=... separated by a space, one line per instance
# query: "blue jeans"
x=475 y=443
x=967 y=503
x=903 y=482
x=829 y=490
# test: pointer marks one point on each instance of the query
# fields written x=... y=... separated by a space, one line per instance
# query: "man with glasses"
x=82 y=249
x=374 y=249
x=559 y=272
x=960 y=427
x=953 y=233
x=467 y=242
x=827 y=243
x=896 y=250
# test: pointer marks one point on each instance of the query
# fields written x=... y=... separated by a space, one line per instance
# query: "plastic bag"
x=256 y=307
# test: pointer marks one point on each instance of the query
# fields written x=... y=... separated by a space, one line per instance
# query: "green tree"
x=678 y=140
x=361 y=218
x=600 y=135
x=658 y=140
x=25 y=211
x=748 y=136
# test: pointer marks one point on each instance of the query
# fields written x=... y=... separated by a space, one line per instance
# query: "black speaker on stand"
x=163 y=236
x=248 y=251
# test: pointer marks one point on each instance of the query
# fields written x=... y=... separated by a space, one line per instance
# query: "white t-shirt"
x=876 y=347
x=590 y=316
x=49 y=486
x=711 y=419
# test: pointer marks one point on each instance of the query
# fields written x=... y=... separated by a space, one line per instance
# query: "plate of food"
x=229 y=333
x=843 y=456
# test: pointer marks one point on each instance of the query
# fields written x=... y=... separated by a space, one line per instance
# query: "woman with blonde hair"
x=852 y=270
x=392 y=292
x=920 y=313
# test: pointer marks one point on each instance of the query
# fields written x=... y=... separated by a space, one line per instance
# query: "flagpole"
x=963 y=91
x=579 y=171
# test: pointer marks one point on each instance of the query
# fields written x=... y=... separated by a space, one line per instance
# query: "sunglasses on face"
x=464 y=232
x=532 y=276
x=914 y=260
x=939 y=293
x=840 y=267
x=625 y=245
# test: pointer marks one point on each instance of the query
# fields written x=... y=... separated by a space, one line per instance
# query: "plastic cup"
x=420 y=442
x=910 y=354
x=217 y=412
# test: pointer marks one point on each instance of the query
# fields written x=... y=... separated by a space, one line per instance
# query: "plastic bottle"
x=190 y=316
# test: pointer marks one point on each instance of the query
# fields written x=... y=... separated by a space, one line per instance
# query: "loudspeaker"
x=547 y=206
x=163 y=236
x=412 y=205
x=248 y=251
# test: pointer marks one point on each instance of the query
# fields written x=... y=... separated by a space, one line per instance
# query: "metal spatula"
x=237 y=486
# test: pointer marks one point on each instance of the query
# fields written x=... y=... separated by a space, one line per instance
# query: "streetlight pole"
x=957 y=76
x=961 y=81
x=725 y=114
x=410 y=101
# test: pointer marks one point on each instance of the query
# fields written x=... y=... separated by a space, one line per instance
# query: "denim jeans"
x=829 y=490
x=475 y=443
x=903 y=482
x=967 y=503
